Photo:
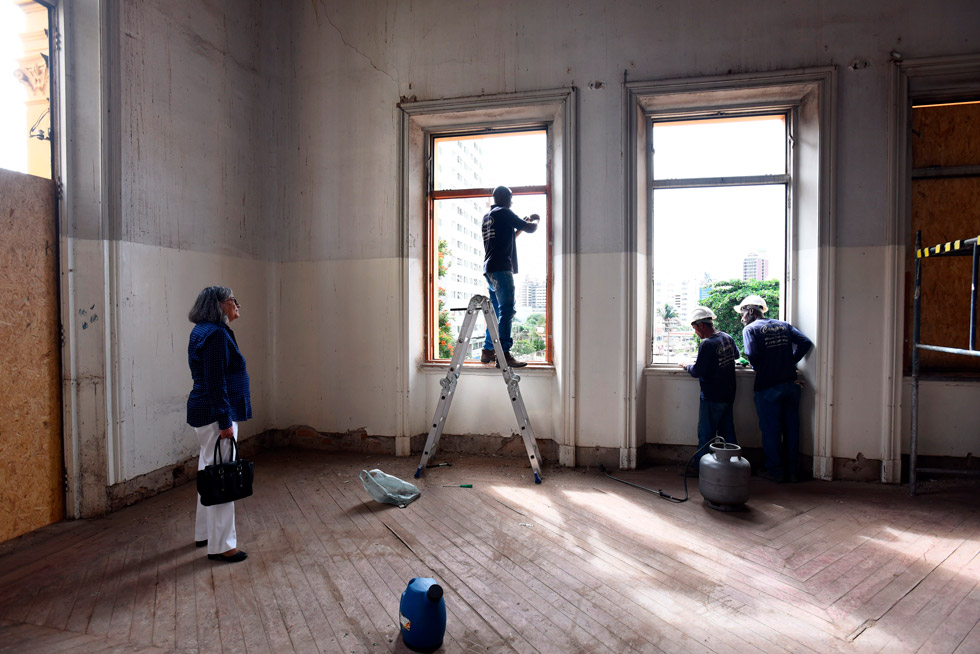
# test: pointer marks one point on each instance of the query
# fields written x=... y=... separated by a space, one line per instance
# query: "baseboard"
x=512 y=446
x=149 y=484
x=305 y=437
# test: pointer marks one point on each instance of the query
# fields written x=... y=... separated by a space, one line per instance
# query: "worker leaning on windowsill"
x=774 y=347
x=715 y=370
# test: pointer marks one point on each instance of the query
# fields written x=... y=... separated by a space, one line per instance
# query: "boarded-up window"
x=945 y=206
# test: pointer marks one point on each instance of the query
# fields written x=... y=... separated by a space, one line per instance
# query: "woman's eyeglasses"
x=232 y=299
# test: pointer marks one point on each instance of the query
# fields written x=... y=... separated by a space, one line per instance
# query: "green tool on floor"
x=457 y=485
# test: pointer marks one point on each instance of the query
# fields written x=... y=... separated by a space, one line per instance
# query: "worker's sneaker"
x=511 y=361
x=488 y=356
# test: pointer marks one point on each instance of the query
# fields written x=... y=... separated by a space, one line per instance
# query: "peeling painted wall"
x=257 y=144
x=353 y=62
x=191 y=127
x=193 y=123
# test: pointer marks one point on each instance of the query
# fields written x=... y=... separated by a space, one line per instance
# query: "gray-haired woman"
x=218 y=402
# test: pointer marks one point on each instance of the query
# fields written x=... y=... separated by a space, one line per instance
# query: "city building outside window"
x=465 y=169
x=719 y=203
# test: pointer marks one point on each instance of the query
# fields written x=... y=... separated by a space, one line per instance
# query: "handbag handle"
x=217 y=452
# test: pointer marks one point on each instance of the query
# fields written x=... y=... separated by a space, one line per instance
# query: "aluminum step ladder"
x=477 y=304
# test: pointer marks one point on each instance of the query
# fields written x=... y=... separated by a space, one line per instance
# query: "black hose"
x=659 y=491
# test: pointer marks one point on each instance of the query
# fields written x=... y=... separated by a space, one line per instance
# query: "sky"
x=519 y=160
x=711 y=230
x=696 y=231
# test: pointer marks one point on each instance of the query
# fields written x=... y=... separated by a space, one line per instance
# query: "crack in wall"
x=355 y=49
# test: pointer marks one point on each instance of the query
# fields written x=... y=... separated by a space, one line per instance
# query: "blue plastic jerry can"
x=422 y=615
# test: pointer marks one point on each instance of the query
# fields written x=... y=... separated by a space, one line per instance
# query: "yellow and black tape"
x=946 y=248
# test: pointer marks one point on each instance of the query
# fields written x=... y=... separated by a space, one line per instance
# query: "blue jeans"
x=502 y=298
x=714 y=419
x=779 y=420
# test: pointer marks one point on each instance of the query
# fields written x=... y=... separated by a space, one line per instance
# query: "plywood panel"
x=31 y=459
x=946 y=210
x=946 y=135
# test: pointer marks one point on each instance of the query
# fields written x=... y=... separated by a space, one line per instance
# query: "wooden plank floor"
x=580 y=563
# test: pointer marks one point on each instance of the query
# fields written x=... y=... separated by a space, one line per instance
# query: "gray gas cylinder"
x=724 y=476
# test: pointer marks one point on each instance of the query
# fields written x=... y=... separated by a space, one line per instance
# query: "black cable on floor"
x=659 y=492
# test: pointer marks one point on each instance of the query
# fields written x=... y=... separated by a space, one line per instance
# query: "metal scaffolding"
x=959 y=248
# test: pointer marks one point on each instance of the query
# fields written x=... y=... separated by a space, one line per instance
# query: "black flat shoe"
x=234 y=558
x=200 y=543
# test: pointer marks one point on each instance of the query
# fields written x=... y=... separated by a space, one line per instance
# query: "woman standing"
x=218 y=402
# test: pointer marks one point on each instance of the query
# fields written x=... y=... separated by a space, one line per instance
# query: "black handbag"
x=227 y=481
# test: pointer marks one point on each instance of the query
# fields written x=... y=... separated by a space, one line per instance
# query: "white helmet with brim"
x=752 y=302
x=701 y=313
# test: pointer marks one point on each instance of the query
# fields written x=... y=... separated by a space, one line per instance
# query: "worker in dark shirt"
x=774 y=347
x=715 y=370
x=500 y=229
x=218 y=401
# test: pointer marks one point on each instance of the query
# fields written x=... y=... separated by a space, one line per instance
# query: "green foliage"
x=535 y=320
x=668 y=314
x=525 y=335
x=446 y=339
x=727 y=295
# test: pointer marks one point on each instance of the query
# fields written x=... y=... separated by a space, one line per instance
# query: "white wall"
x=946 y=424
x=156 y=289
x=190 y=214
x=257 y=144
x=672 y=408
x=356 y=61
x=161 y=104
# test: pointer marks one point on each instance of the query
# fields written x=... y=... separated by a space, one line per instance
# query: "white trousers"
x=215 y=523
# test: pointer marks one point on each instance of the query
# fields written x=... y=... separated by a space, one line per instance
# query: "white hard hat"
x=701 y=313
x=751 y=301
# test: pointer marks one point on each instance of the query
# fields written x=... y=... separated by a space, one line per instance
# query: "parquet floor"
x=580 y=563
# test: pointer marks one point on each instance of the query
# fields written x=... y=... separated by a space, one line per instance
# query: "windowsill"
x=672 y=370
x=532 y=369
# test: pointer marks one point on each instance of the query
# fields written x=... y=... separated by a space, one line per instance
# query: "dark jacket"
x=774 y=347
x=500 y=228
x=715 y=368
x=220 y=392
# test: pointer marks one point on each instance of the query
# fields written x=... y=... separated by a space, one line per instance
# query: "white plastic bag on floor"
x=388 y=489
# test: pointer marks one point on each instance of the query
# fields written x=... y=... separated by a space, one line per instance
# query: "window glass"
x=25 y=118
x=490 y=160
x=468 y=168
x=719 y=147
x=714 y=244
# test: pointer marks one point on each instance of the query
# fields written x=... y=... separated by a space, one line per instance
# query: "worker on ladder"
x=500 y=229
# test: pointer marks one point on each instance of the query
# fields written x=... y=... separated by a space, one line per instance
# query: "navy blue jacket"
x=220 y=392
x=715 y=368
x=500 y=228
x=774 y=347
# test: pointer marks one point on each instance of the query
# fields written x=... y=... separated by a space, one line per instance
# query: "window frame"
x=558 y=108
x=787 y=178
x=430 y=336
x=811 y=273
